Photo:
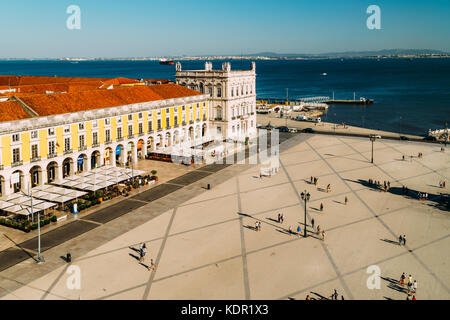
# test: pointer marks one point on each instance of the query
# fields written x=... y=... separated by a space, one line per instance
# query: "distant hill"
x=384 y=52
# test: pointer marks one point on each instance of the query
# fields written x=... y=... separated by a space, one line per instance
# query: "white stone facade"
x=233 y=98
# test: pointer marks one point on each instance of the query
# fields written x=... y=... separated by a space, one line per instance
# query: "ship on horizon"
x=166 y=62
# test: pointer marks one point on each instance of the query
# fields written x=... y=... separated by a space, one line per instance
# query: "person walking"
x=144 y=251
x=290 y=230
x=312 y=179
x=256 y=226
x=321 y=207
x=415 y=286
x=400 y=240
x=404 y=240
x=282 y=218
x=299 y=230
x=318 y=230
x=151 y=266
x=279 y=218
x=141 y=247
x=323 y=235
x=346 y=200
x=312 y=223
x=402 y=279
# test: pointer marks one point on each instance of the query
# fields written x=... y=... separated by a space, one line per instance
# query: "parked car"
x=308 y=130
x=404 y=138
x=283 y=129
x=293 y=130
x=430 y=138
x=301 y=118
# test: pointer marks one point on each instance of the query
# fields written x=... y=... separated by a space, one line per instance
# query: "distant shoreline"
x=229 y=58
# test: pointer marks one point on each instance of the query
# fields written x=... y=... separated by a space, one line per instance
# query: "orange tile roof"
x=60 y=103
x=12 y=110
x=17 y=80
x=119 y=81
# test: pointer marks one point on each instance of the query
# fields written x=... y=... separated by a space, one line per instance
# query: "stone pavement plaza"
x=205 y=247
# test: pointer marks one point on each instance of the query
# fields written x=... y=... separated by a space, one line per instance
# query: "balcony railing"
x=130 y=136
x=108 y=142
x=69 y=151
x=120 y=139
x=82 y=148
x=95 y=145
x=191 y=121
x=35 y=159
x=141 y=134
x=150 y=131
x=17 y=163
x=1 y=167
x=51 y=155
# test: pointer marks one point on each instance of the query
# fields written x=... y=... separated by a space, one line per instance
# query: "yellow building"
x=46 y=137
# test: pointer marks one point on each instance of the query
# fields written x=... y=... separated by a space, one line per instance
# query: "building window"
x=119 y=133
x=34 y=151
x=219 y=92
x=130 y=130
x=95 y=138
x=140 y=115
x=141 y=128
x=81 y=126
x=67 y=129
x=167 y=122
x=16 y=137
x=232 y=92
x=94 y=124
x=159 y=124
x=81 y=139
x=51 y=148
x=150 y=126
x=233 y=129
x=119 y=119
x=175 y=120
x=67 y=144
x=51 y=131
x=107 y=121
x=130 y=117
x=34 y=134
x=108 y=135
x=16 y=155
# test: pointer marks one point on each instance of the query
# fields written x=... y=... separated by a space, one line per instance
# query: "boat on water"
x=324 y=74
x=166 y=62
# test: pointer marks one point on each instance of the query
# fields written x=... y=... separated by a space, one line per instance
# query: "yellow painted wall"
x=88 y=135
x=6 y=151
x=43 y=144
x=59 y=140
x=113 y=129
x=155 y=120
x=75 y=138
x=188 y=113
x=145 y=125
x=163 y=118
x=25 y=153
x=172 y=117
x=135 y=124
x=125 y=126
x=180 y=115
x=101 y=131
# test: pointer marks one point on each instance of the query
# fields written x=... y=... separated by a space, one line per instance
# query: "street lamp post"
x=372 y=139
x=305 y=197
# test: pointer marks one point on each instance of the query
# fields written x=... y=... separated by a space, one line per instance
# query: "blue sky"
x=138 y=28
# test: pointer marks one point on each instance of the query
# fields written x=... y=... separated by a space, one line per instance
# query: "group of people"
x=314 y=180
x=422 y=196
x=258 y=225
x=142 y=252
x=385 y=186
x=441 y=184
x=405 y=190
x=402 y=240
x=280 y=218
x=420 y=155
x=411 y=285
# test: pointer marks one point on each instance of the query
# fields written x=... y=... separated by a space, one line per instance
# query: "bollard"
x=68 y=258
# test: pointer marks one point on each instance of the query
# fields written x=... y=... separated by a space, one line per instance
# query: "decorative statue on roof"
x=226 y=66
x=178 y=66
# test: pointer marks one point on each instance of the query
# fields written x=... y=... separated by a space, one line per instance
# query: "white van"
x=301 y=118
x=315 y=119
